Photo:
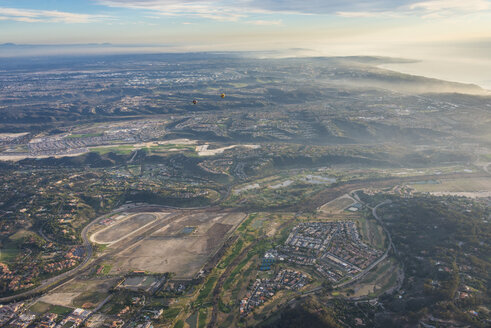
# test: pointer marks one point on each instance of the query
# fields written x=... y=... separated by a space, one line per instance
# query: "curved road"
x=57 y=280
x=380 y=259
x=54 y=281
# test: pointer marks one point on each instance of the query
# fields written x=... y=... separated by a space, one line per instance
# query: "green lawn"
x=8 y=254
x=124 y=149
x=203 y=314
x=205 y=291
x=42 y=307
x=171 y=313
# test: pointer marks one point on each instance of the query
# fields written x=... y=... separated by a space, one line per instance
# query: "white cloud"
x=452 y=5
x=445 y=8
x=265 y=22
x=427 y=9
x=220 y=10
x=46 y=16
x=197 y=8
x=366 y=14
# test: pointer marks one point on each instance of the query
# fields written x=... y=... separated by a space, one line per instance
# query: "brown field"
x=470 y=187
x=337 y=205
x=78 y=292
x=123 y=228
x=63 y=299
x=379 y=280
x=170 y=249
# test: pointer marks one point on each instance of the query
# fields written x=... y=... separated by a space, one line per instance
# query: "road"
x=375 y=215
x=53 y=282
x=380 y=259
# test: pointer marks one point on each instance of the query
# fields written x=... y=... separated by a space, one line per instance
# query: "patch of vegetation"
x=247 y=222
x=203 y=314
x=9 y=254
x=235 y=251
x=205 y=291
x=42 y=307
x=171 y=313
x=60 y=310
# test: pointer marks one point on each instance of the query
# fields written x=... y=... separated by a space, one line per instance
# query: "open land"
x=169 y=246
x=330 y=193
x=123 y=228
x=469 y=187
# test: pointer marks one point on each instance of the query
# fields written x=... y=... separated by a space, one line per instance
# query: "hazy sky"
x=253 y=23
x=415 y=29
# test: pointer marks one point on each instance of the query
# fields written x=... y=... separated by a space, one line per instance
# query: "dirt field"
x=173 y=249
x=63 y=299
x=203 y=150
x=377 y=281
x=337 y=205
x=79 y=292
x=466 y=187
x=123 y=228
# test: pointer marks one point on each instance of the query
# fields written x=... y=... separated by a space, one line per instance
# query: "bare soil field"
x=203 y=150
x=377 y=281
x=78 y=292
x=337 y=205
x=454 y=186
x=173 y=249
x=123 y=228
x=63 y=299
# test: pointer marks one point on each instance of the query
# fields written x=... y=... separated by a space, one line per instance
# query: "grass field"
x=171 y=313
x=41 y=307
x=123 y=149
x=205 y=291
x=9 y=254
x=203 y=314
x=192 y=320
x=235 y=251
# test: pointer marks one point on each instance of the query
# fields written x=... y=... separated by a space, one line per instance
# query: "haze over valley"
x=245 y=164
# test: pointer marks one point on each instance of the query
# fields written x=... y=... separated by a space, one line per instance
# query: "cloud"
x=235 y=10
x=452 y=5
x=46 y=16
x=221 y=10
x=427 y=9
x=445 y=8
x=265 y=22
x=215 y=10
x=366 y=14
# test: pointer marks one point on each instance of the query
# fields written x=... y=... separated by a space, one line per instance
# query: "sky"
x=419 y=29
